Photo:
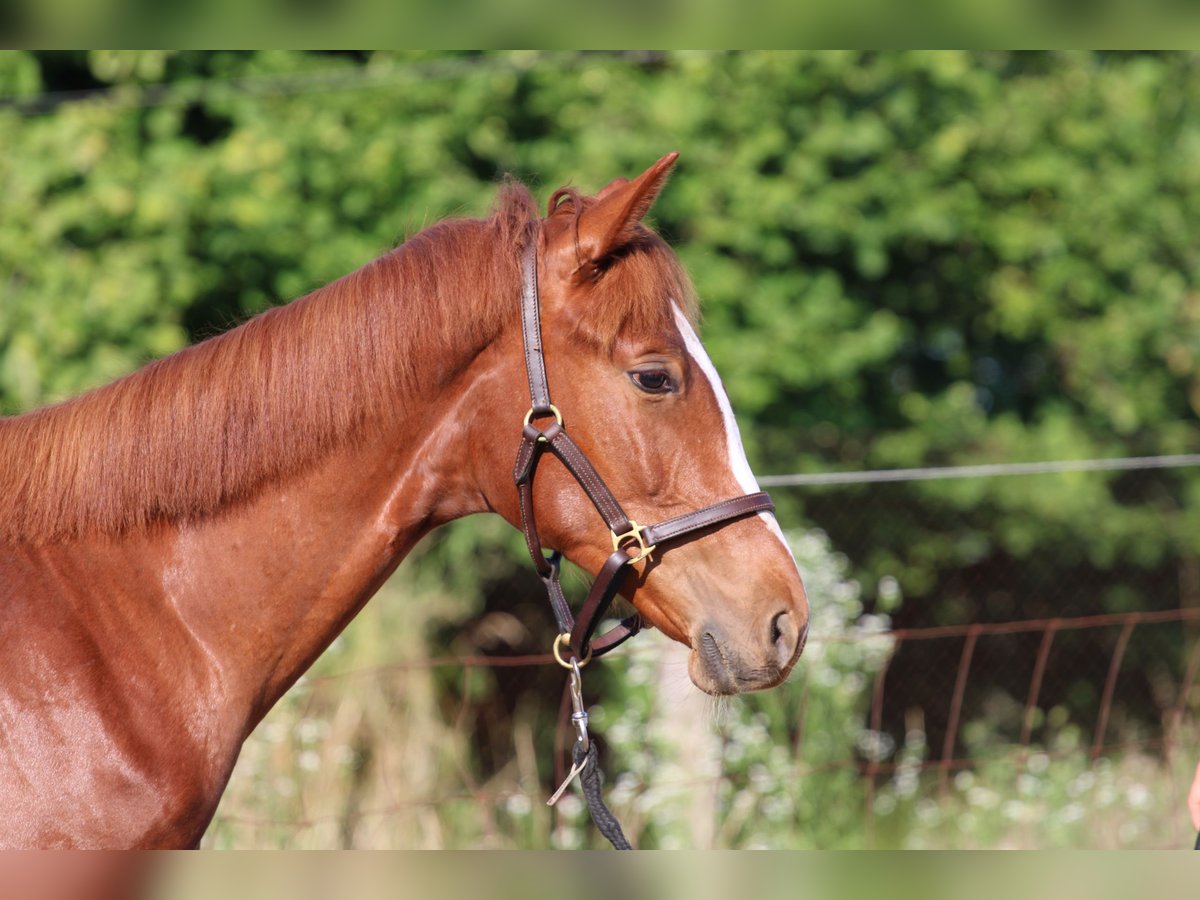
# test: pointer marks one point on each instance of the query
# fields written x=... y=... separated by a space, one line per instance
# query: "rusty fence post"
x=960 y=686
x=1035 y=681
x=1110 y=683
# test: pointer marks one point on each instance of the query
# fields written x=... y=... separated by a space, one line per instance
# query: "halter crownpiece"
x=631 y=542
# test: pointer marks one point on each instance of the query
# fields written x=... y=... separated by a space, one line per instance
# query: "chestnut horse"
x=177 y=547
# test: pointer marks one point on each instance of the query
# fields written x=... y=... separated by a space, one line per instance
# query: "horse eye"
x=653 y=381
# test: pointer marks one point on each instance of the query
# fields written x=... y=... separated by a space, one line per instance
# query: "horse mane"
x=215 y=422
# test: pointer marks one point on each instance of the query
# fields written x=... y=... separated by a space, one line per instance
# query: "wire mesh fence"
x=1018 y=700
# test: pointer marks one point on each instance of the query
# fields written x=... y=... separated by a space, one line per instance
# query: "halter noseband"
x=631 y=542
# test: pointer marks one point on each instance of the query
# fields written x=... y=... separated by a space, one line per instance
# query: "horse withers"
x=177 y=547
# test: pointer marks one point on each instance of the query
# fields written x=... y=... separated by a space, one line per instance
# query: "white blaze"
x=733 y=437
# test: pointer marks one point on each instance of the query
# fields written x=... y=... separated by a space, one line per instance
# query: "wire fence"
x=1124 y=679
x=988 y=470
x=1046 y=630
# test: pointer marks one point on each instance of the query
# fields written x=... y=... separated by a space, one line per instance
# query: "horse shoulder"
x=105 y=701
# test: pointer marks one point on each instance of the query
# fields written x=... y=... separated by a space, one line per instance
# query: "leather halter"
x=631 y=542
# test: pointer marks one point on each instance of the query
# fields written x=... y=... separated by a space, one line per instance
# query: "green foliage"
x=906 y=258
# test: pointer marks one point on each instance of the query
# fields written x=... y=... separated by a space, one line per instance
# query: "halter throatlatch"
x=575 y=645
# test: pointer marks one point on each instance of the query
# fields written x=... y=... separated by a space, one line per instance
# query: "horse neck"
x=265 y=583
x=266 y=587
x=298 y=561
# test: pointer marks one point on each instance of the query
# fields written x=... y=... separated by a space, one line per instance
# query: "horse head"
x=642 y=400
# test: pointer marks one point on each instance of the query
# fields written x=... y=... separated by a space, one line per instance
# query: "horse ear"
x=611 y=186
x=609 y=224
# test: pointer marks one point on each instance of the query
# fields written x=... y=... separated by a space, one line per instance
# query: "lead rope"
x=587 y=766
x=590 y=779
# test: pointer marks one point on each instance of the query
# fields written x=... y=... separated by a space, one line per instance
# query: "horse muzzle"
x=722 y=664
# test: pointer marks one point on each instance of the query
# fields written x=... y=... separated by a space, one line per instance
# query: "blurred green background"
x=905 y=259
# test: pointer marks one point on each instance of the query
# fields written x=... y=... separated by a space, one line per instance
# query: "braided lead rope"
x=591 y=779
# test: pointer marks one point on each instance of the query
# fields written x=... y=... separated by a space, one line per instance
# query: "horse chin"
x=718 y=678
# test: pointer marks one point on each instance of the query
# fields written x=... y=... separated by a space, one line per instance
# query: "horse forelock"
x=635 y=296
x=217 y=421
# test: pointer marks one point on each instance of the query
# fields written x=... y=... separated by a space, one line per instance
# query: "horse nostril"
x=710 y=648
x=781 y=634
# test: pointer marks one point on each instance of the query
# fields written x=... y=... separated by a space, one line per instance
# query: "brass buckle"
x=557 y=650
x=634 y=533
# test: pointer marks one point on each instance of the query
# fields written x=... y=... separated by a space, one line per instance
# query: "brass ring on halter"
x=558 y=644
x=634 y=533
x=553 y=411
